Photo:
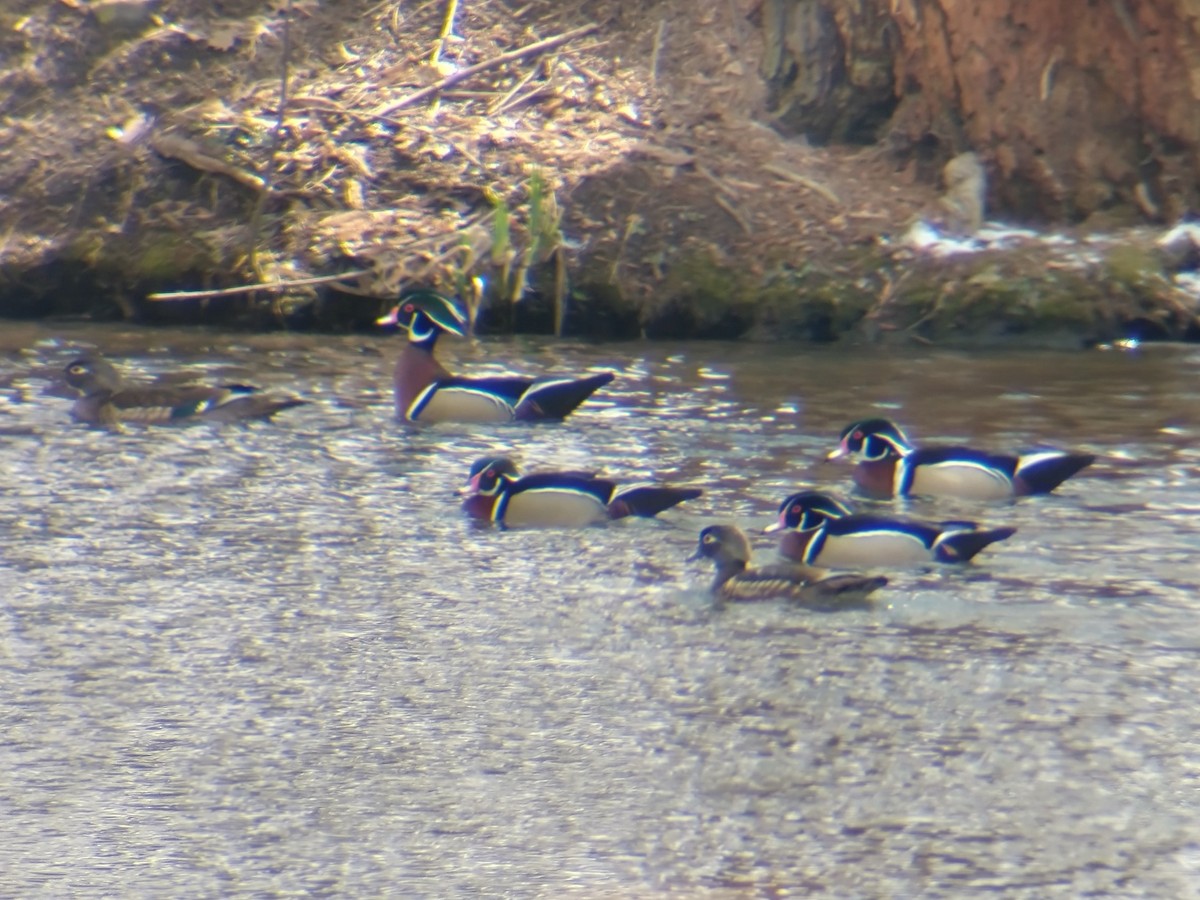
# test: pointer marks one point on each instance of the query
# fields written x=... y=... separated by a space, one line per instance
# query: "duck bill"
x=695 y=556
x=471 y=487
x=839 y=453
x=391 y=319
x=779 y=525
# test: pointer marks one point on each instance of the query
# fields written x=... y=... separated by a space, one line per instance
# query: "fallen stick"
x=189 y=152
x=463 y=74
x=248 y=288
x=814 y=186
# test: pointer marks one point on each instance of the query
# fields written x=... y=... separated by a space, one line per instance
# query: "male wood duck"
x=426 y=392
x=890 y=466
x=106 y=400
x=728 y=548
x=498 y=493
x=820 y=531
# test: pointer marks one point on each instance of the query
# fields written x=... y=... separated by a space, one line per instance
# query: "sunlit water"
x=275 y=659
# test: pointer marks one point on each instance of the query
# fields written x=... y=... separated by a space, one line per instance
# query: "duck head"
x=91 y=375
x=725 y=545
x=425 y=314
x=807 y=510
x=488 y=474
x=872 y=439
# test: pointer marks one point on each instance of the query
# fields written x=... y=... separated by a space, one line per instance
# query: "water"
x=275 y=659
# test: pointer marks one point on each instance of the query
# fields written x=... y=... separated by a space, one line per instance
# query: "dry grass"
x=135 y=123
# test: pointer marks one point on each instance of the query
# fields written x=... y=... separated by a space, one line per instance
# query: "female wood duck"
x=106 y=400
x=728 y=548
x=890 y=466
x=498 y=493
x=820 y=531
x=426 y=392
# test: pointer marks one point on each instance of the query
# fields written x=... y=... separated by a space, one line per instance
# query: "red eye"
x=796 y=509
x=408 y=307
x=858 y=435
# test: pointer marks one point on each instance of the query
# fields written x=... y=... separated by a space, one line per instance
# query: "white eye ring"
x=709 y=539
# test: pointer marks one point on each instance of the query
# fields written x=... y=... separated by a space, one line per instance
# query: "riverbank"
x=600 y=170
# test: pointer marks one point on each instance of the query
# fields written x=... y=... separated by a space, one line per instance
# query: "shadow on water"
x=275 y=658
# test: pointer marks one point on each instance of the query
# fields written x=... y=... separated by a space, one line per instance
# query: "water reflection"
x=275 y=658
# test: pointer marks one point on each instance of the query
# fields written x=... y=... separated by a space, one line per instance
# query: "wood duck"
x=820 y=531
x=890 y=466
x=498 y=493
x=426 y=392
x=728 y=548
x=106 y=400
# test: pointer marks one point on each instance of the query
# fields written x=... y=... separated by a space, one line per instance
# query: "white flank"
x=872 y=548
x=551 y=507
x=958 y=478
x=439 y=403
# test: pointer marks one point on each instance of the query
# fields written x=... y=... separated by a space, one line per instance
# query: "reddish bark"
x=1077 y=107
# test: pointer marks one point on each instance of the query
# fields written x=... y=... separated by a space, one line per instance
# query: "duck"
x=497 y=492
x=821 y=531
x=889 y=465
x=426 y=392
x=729 y=549
x=105 y=399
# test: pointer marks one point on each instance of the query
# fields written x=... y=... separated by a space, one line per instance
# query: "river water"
x=275 y=659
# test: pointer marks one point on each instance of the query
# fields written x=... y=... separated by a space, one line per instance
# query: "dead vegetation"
x=547 y=147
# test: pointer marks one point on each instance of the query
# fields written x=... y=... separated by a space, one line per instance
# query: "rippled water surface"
x=275 y=659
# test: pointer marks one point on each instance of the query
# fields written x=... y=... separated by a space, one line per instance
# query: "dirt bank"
x=603 y=164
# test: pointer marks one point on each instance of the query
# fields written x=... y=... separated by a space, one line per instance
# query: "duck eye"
x=797 y=509
x=77 y=369
x=858 y=435
x=708 y=539
x=408 y=308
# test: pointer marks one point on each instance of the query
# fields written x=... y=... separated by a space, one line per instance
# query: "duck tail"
x=1040 y=473
x=961 y=546
x=557 y=398
x=836 y=592
x=648 y=500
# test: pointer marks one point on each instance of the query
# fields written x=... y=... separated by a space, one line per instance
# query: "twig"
x=276 y=140
x=656 y=53
x=435 y=57
x=560 y=289
x=434 y=133
x=502 y=103
x=176 y=147
x=633 y=223
x=814 y=186
x=720 y=185
x=463 y=74
x=733 y=213
x=447 y=29
x=668 y=156
x=266 y=286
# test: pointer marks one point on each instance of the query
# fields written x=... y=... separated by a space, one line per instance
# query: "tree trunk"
x=1079 y=108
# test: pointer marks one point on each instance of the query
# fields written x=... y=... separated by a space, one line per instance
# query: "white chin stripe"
x=417 y=336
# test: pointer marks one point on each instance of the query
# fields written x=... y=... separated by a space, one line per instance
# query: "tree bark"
x=1079 y=108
